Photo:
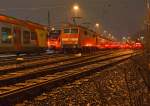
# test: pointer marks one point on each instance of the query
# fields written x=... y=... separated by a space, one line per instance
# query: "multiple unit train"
x=21 y=36
x=25 y=36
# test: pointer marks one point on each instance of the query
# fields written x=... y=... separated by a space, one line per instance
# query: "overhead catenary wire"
x=33 y=8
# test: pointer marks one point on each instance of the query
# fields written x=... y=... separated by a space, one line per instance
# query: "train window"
x=66 y=30
x=33 y=36
x=74 y=31
x=26 y=37
x=85 y=33
x=6 y=35
x=57 y=32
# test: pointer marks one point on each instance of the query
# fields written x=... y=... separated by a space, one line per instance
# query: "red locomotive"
x=81 y=38
x=77 y=37
x=54 y=40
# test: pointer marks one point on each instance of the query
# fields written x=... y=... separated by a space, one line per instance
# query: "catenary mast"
x=147 y=28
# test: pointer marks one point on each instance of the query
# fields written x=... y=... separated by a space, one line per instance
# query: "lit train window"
x=33 y=36
x=55 y=32
x=6 y=33
x=66 y=30
x=26 y=37
x=74 y=31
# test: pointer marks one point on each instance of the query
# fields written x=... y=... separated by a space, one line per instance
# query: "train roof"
x=71 y=25
x=34 y=25
x=26 y=23
x=11 y=20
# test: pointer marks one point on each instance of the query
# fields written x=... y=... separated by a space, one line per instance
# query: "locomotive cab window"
x=66 y=30
x=26 y=37
x=55 y=34
x=74 y=31
x=6 y=35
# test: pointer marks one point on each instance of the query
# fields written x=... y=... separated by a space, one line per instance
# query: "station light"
x=76 y=7
x=52 y=28
x=97 y=25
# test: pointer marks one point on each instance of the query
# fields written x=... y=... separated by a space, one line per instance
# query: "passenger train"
x=81 y=38
x=21 y=36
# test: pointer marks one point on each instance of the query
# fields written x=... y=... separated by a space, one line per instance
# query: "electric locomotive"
x=75 y=37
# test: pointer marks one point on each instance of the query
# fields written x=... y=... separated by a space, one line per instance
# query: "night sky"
x=120 y=17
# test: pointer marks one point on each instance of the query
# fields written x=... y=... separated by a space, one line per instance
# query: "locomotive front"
x=70 y=38
x=54 y=40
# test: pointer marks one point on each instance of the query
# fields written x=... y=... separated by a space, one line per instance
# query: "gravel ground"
x=122 y=85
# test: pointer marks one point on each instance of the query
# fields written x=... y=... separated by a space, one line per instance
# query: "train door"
x=17 y=38
x=42 y=38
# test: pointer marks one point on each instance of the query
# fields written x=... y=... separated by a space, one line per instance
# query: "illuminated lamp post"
x=97 y=27
x=76 y=9
x=52 y=28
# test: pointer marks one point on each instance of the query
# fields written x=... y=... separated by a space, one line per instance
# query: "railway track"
x=7 y=61
x=41 y=62
x=12 y=59
x=47 y=67
x=9 y=94
x=26 y=58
